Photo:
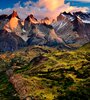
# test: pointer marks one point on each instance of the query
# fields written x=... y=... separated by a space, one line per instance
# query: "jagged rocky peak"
x=14 y=14
x=46 y=21
x=28 y=21
x=32 y=19
x=62 y=16
x=70 y=16
x=83 y=16
x=67 y=13
x=14 y=23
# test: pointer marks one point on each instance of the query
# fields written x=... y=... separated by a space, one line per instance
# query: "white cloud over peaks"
x=50 y=4
x=42 y=8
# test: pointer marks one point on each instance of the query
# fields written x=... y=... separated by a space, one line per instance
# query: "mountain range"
x=68 y=31
x=45 y=59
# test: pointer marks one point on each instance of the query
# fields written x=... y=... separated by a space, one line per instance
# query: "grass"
x=47 y=74
x=7 y=91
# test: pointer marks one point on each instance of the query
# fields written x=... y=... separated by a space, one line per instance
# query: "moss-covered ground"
x=47 y=74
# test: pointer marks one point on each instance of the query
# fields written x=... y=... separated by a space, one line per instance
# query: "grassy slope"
x=46 y=74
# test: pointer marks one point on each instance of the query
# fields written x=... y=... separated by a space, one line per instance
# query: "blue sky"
x=10 y=3
x=79 y=3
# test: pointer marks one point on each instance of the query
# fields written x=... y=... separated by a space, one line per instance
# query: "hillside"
x=43 y=73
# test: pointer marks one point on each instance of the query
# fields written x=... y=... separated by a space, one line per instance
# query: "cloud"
x=17 y=4
x=69 y=8
x=50 y=4
x=42 y=8
x=28 y=3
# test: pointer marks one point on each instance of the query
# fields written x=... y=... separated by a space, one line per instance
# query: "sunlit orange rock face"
x=43 y=21
x=46 y=21
x=32 y=19
x=13 y=22
x=14 y=14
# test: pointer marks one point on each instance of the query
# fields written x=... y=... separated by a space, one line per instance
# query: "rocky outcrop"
x=72 y=29
x=14 y=14
x=28 y=21
x=44 y=35
x=19 y=85
x=10 y=41
x=46 y=20
x=14 y=23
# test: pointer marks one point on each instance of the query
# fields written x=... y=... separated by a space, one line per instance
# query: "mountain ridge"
x=69 y=30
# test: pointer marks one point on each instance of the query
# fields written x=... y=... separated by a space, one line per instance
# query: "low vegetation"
x=42 y=73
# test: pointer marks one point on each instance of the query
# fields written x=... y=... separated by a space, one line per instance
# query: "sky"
x=79 y=3
x=42 y=8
